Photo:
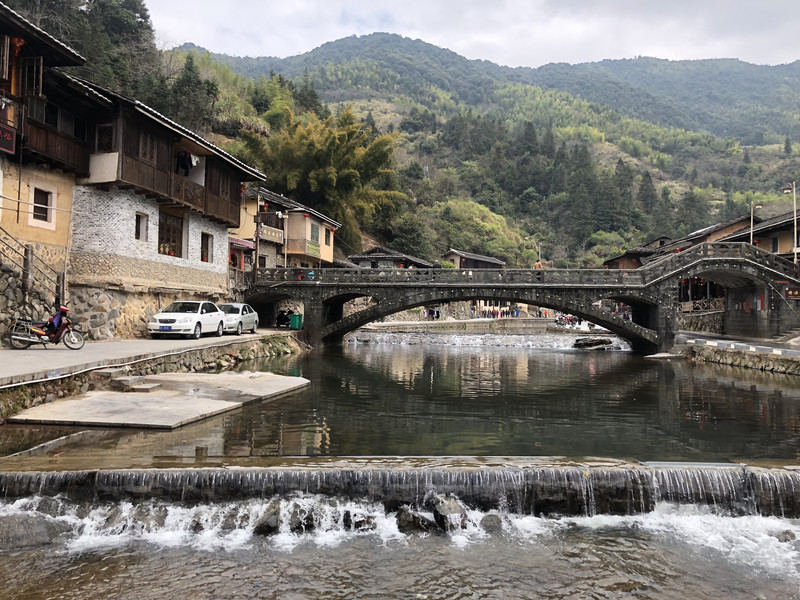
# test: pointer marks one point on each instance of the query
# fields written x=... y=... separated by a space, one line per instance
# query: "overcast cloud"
x=508 y=32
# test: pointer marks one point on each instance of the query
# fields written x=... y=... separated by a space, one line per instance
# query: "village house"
x=773 y=235
x=131 y=207
x=470 y=260
x=41 y=153
x=289 y=233
x=385 y=258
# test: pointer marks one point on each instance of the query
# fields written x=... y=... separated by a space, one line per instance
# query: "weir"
x=540 y=491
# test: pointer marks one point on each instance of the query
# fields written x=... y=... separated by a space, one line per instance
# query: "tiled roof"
x=388 y=254
x=474 y=256
x=177 y=127
x=17 y=20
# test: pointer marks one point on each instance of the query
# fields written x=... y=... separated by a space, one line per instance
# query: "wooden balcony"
x=173 y=187
x=64 y=151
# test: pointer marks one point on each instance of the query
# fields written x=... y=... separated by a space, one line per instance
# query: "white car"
x=239 y=317
x=191 y=318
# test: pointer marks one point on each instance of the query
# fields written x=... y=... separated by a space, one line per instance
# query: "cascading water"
x=551 y=491
x=297 y=519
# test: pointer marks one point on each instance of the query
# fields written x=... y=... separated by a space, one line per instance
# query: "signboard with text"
x=793 y=293
x=8 y=138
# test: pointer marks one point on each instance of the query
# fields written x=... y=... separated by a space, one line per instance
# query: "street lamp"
x=284 y=216
x=752 y=206
x=793 y=190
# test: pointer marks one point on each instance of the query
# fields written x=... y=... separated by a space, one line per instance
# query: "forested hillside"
x=417 y=148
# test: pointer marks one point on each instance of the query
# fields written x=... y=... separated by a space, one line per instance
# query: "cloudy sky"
x=509 y=32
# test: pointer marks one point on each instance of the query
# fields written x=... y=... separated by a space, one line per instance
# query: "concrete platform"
x=183 y=398
x=42 y=363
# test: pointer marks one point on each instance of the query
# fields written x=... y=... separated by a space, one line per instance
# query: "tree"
x=334 y=166
x=787 y=146
x=647 y=196
x=193 y=98
x=694 y=212
x=663 y=216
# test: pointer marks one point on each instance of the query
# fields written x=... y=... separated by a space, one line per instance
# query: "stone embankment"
x=773 y=359
x=14 y=398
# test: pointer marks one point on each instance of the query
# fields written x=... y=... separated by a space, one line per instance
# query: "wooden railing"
x=180 y=189
x=55 y=145
x=704 y=305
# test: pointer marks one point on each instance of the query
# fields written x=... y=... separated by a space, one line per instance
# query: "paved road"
x=41 y=363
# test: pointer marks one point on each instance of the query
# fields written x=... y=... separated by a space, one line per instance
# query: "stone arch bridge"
x=755 y=282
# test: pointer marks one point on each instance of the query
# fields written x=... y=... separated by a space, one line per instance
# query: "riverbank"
x=760 y=355
x=38 y=375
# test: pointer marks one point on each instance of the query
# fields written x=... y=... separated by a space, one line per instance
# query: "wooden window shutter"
x=31 y=76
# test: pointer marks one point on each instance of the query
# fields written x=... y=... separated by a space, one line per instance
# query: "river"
x=411 y=401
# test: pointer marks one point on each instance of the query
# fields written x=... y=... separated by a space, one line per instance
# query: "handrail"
x=33 y=270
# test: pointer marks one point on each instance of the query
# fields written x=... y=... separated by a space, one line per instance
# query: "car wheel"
x=239 y=328
x=255 y=326
x=197 y=332
x=220 y=329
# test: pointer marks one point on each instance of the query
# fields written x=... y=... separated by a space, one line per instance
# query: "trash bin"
x=295 y=321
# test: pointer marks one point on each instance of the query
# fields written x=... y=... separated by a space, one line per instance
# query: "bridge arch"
x=641 y=338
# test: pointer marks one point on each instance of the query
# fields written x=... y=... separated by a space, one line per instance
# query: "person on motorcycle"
x=54 y=322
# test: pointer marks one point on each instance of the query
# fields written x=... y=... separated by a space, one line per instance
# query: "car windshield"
x=182 y=307
x=229 y=309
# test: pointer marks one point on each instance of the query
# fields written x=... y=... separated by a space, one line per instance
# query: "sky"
x=507 y=32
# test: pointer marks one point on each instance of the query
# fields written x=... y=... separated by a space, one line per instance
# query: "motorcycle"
x=57 y=329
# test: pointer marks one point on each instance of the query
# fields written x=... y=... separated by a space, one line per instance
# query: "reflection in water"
x=437 y=400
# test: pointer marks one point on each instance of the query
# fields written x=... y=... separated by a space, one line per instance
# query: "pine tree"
x=647 y=196
x=193 y=98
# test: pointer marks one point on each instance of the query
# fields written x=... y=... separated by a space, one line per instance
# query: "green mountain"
x=754 y=104
x=580 y=160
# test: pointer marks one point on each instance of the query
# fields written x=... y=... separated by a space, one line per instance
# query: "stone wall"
x=16 y=303
x=104 y=314
x=739 y=358
x=213 y=358
x=706 y=322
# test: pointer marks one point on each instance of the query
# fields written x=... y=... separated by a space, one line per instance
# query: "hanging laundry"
x=183 y=162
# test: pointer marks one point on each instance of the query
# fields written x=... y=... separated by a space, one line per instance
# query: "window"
x=170 y=234
x=64 y=121
x=105 y=138
x=147 y=146
x=51 y=114
x=31 y=73
x=315 y=233
x=41 y=205
x=774 y=244
x=327 y=237
x=206 y=247
x=141 y=227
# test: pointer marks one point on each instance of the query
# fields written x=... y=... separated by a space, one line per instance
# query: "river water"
x=407 y=400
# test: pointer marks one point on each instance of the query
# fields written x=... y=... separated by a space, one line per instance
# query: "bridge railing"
x=555 y=277
x=721 y=250
x=547 y=277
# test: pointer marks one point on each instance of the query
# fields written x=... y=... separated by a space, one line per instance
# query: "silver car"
x=191 y=318
x=239 y=317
